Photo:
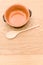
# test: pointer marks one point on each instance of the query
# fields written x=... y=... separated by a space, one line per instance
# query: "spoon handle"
x=29 y=28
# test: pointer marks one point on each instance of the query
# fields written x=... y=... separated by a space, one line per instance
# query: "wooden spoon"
x=13 y=34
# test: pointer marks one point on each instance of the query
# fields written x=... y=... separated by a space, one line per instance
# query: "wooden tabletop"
x=29 y=42
x=21 y=60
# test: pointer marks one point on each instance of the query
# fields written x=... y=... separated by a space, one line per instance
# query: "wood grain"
x=21 y=60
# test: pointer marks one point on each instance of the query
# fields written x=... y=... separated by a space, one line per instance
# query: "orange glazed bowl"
x=17 y=15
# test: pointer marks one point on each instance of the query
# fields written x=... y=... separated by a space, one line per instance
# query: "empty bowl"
x=17 y=15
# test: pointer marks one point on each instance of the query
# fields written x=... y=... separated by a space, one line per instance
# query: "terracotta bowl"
x=17 y=15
